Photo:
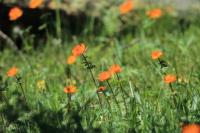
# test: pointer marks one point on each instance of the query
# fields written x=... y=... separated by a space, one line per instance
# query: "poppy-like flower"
x=126 y=7
x=154 y=13
x=70 y=89
x=15 y=13
x=101 y=88
x=41 y=85
x=169 y=78
x=191 y=128
x=35 y=3
x=156 y=54
x=12 y=72
x=79 y=49
x=115 y=69
x=103 y=76
x=71 y=59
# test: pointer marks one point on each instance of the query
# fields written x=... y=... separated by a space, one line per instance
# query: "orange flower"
x=35 y=3
x=126 y=7
x=156 y=54
x=15 y=13
x=169 y=79
x=71 y=59
x=191 y=128
x=154 y=13
x=79 y=49
x=101 y=88
x=70 y=89
x=115 y=69
x=12 y=72
x=104 y=76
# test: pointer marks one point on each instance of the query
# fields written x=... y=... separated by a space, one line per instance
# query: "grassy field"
x=33 y=100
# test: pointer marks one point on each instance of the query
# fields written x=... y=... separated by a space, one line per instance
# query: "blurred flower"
x=156 y=54
x=154 y=13
x=15 y=13
x=182 y=80
x=191 y=128
x=104 y=76
x=170 y=78
x=70 y=81
x=12 y=72
x=71 y=59
x=126 y=7
x=101 y=88
x=79 y=49
x=70 y=89
x=115 y=69
x=35 y=3
x=41 y=85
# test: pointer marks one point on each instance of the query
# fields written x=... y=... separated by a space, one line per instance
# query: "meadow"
x=136 y=71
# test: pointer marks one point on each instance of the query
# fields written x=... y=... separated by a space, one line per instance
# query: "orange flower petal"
x=126 y=7
x=15 y=13
x=191 y=128
x=156 y=54
x=104 y=76
x=71 y=59
x=115 y=69
x=12 y=72
x=79 y=49
x=154 y=13
x=101 y=88
x=70 y=89
x=170 y=78
x=35 y=3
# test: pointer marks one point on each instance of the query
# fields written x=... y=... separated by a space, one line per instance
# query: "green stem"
x=94 y=81
x=107 y=102
x=91 y=73
x=122 y=91
x=174 y=95
x=69 y=103
x=99 y=100
x=20 y=85
x=117 y=103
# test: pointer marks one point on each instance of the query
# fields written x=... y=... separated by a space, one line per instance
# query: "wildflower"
x=70 y=89
x=191 y=128
x=156 y=54
x=79 y=49
x=70 y=81
x=182 y=80
x=126 y=7
x=169 y=79
x=41 y=84
x=101 y=88
x=71 y=59
x=12 y=72
x=154 y=13
x=115 y=69
x=104 y=76
x=15 y=13
x=35 y=3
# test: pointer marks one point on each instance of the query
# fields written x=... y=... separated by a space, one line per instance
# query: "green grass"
x=149 y=99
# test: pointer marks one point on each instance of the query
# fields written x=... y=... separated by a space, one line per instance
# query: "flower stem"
x=20 y=85
x=107 y=102
x=122 y=91
x=94 y=81
x=69 y=103
x=174 y=95
x=117 y=103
